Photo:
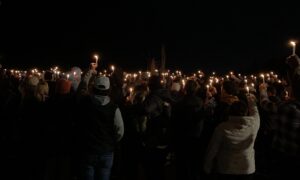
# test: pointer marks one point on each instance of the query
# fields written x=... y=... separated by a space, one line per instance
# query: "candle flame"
x=293 y=43
x=96 y=57
x=131 y=90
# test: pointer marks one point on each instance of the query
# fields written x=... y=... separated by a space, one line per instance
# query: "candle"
x=293 y=43
x=68 y=75
x=96 y=57
x=248 y=90
x=113 y=68
x=131 y=90
x=217 y=80
x=263 y=78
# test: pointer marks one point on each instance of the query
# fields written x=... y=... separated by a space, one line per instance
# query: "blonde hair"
x=42 y=91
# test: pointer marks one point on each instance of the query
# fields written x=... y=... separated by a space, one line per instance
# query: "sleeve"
x=213 y=149
x=83 y=88
x=118 y=125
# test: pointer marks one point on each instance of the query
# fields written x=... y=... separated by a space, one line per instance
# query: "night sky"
x=196 y=36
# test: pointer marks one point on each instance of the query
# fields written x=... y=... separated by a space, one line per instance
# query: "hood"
x=100 y=100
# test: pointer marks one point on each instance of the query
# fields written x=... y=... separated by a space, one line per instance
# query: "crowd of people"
x=154 y=125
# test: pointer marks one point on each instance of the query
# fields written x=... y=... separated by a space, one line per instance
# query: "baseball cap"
x=101 y=83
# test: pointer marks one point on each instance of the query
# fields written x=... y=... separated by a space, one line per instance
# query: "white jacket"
x=231 y=149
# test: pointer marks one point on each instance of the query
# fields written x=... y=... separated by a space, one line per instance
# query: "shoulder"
x=288 y=107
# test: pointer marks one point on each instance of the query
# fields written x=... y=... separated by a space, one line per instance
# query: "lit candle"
x=131 y=92
x=293 y=43
x=217 y=80
x=113 y=68
x=183 y=83
x=248 y=90
x=74 y=74
x=68 y=75
x=263 y=77
x=96 y=57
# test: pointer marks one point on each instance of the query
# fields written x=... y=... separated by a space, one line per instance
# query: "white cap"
x=102 y=83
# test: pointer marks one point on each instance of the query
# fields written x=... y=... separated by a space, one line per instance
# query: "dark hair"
x=238 y=108
x=272 y=89
x=154 y=83
x=48 y=75
x=191 y=87
x=230 y=87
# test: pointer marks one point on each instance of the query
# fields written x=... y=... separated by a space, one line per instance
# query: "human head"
x=101 y=86
x=230 y=87
x=271 y=90
x=191 y=87
x=42 y=91
x=238 y=108
x=154 y=83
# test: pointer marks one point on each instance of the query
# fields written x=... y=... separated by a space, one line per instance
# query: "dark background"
x=247 y=37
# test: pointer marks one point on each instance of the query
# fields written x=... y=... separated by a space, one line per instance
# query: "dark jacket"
x=96 y=127
x=157 y=107
x=189 y=118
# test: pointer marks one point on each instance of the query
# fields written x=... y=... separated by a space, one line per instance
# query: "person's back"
x=188 y=128
x=232 y=145
x=286 y=142
x=100 y=127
